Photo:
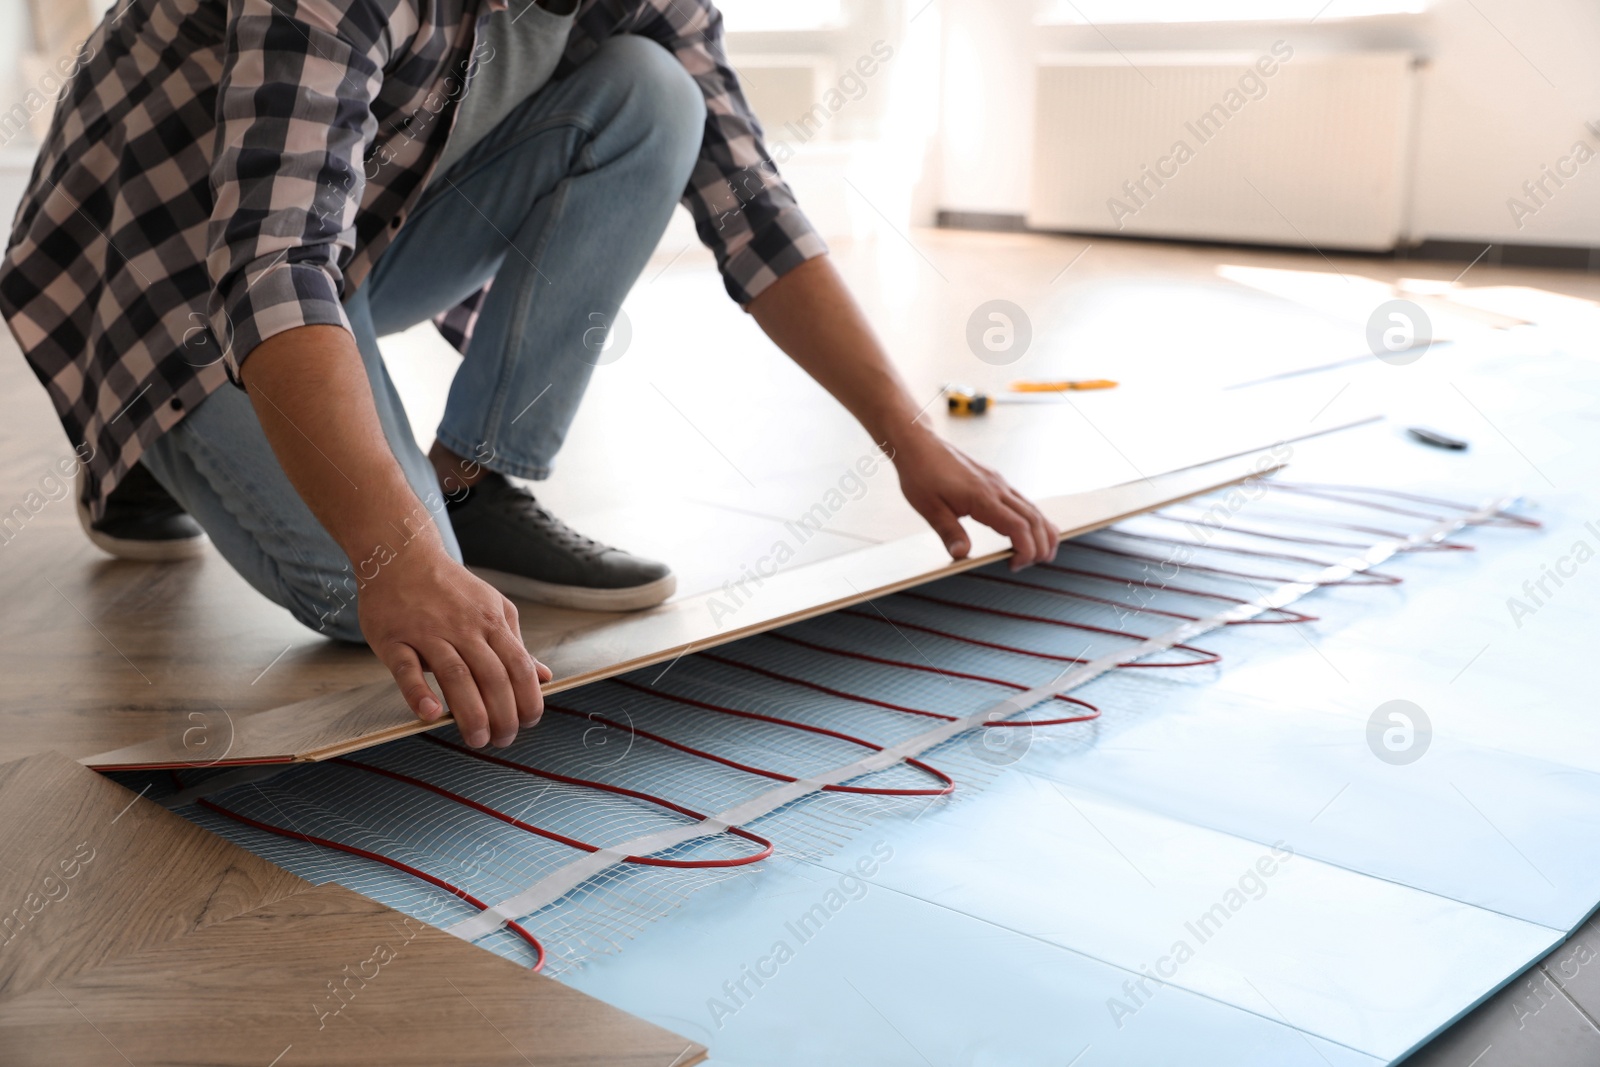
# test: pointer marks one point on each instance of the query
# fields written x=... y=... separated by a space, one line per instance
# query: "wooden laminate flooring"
x=132 y=935
x=88 y=873
x=324 y=977
x=702 y=445
x=582 y=647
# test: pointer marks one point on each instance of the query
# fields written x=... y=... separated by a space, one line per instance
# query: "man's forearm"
x=310 y=391
x=429 y=615
x=810 y=314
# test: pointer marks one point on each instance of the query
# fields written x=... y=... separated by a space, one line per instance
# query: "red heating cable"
x=1324 y=491
x=777 y=776
x=1307 y=520
x=737 y=831
x=1094 y=712
x=1261 y=553
x=902 y=624
x=1298 y=616
x=456 y=891
x=1293 y=616
x=1267 y=535
x=1206 y=657
x=1248 y=531
x=948 y=783
x=552 y=835
x=790 y=724
x=1227 y=572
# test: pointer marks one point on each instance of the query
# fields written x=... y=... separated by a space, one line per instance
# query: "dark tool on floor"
x=964 y=401
x=1436 y=439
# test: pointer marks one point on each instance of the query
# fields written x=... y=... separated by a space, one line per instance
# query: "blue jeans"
x=561 y=205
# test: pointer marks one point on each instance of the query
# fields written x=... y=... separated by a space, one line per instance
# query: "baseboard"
x=1564 y=257
x=1561 y=257
x=990 y=221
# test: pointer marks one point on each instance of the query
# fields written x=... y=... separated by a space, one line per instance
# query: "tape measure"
x=964 y=401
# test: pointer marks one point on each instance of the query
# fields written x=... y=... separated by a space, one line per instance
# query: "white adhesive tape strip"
x=557 y=884
x=554 y=886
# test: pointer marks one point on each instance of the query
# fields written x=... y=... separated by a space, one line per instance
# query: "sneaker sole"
x=170 y=551
x=633 y=598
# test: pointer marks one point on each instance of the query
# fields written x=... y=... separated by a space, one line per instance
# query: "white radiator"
x=1212 y=147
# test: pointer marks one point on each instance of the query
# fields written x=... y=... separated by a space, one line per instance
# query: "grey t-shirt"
x=527 y=42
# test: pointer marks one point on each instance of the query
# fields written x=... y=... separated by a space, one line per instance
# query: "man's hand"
x=945 y=485
x=810 y=314
x=420 y=610
x=426 y=612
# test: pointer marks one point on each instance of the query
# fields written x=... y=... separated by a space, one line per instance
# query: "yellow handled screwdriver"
x=965 y=401
x=1062 y=387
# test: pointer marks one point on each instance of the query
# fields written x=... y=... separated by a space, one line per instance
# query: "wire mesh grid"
x=719 y=728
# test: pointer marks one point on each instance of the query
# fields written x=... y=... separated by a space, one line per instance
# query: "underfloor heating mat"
x=993 y=728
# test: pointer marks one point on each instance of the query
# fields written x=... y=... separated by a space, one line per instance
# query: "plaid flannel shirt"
x=219 y=171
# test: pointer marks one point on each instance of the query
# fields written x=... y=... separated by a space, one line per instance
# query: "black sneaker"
x=143 y=522
x=521 y=549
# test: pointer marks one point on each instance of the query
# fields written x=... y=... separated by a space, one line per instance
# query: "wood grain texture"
x=696 y=448
x=583 y=647
x=99 y=654
x=325 y=977
x=90 y=872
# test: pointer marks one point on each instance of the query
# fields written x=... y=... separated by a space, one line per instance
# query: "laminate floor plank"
x=90 y=872
x=1530 y=1021
x=99 y=655
x=102 y=653
x=585 y=647
x=328 y=978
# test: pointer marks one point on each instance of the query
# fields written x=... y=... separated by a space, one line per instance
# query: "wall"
x=869 y=162
x=1491 y=118
x=16 y=41
x=873 y=161
x=1507 y=89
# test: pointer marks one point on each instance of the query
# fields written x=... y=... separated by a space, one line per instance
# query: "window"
x=1112 y=12
x=753 y=16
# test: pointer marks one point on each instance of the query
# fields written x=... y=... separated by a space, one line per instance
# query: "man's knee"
x=327 y=606
x=661 y=95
